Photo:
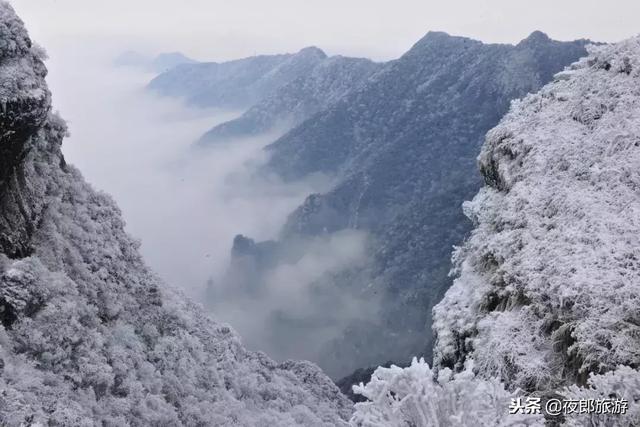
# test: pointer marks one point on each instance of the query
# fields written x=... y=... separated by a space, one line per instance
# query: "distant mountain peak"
x=440 y=39
x=313 y=51
x=236 y=84
x=536 y=37
x=436 y=35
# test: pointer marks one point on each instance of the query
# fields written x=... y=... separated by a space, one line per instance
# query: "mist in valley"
x=186 y=204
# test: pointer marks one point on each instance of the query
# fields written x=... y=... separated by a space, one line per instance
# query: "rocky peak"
x=439 y=41
x=535 y=38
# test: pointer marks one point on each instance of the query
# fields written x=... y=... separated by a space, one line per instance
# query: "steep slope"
x=235 y=84
x=548 y=284
x=415 y=95
x=404 y=147
x=88 y=334
x=546 y=299
x=293 y=103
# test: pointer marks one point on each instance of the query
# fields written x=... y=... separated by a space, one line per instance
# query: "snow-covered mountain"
x=298 y=100
x=88 y=335
x=235 y=84
x=403 y=146
x=548 y=284
x=546 y=299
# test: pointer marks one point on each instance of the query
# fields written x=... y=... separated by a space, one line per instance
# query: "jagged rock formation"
x=235 y=84
x=549 y=282
x=25 y=102
x=295 y=102
x=404 y=146
x=88 y=335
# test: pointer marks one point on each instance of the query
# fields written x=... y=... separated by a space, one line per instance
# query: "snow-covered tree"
x=412 y=397
x=416 y=396
x=548 y=284
x=622 y=383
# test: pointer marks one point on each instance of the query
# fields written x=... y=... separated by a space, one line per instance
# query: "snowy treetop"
x=548 y=284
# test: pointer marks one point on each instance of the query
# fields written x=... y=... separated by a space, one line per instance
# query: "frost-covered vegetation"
x=548 y=287
x=547 y=295
x=413 y=396
x=418 y=396
x=88 y=335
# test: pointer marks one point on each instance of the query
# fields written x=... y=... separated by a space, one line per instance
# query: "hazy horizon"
x=217 y=31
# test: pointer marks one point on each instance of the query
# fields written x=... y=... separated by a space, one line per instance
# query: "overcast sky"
x=382 y=29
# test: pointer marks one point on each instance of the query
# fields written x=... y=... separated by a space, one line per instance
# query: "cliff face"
x=89 y=335
x=24 y=103
x=548 y=284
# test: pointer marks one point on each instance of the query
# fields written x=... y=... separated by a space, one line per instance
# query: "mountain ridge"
x=297 y=100
x=236 y=84
x=403 y=149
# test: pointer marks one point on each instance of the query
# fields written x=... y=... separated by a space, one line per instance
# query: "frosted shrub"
x=623 y=383
x=413 y=397
x=548 y=282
